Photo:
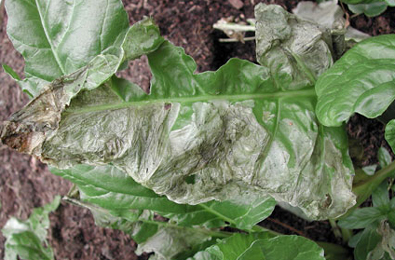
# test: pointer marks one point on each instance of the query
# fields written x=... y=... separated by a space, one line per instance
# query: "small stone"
x=238 y=4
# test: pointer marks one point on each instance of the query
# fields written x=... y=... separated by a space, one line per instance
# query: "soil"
x=26 y=183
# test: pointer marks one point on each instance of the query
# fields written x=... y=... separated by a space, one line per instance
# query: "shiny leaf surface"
x=390 y=134
x=50 y=37
x=165 y=239
x=362 y=81
x=262 y=246
x=114 y=190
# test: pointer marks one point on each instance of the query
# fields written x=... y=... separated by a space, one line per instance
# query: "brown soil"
x=26 y=183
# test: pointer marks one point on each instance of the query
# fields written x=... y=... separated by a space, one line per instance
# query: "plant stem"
x=343 y=233
x=335 y=228
x=364 y=189
x=234 y=27
x=236 y=40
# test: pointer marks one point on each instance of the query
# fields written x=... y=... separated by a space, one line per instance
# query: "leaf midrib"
x=49 y=38
x=192 y=99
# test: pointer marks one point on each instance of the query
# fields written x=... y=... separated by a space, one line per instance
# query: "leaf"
x=207 y=130
x=371 y=10
x=26 y=238
x=195 y=137
x=330 y=16
x=367 y=243
x=380 y=196
x=362 y=81
x=200 y=129
x=390 y=134
x=166 y=240
x=114 y=190
x=361 y=218
x=7 y=69
x=388 y=239
x=48 y=106
x=295 y=50
x=384 y=157
x=262 y=246
x=50 y=37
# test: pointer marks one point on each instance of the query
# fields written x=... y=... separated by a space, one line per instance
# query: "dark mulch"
x=26 y=183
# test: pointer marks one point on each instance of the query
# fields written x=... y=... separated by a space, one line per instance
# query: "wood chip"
x=238 y=4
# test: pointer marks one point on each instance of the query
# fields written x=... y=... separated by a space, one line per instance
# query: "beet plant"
x=204 y=151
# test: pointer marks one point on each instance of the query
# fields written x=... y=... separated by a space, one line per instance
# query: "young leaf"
x=361 y=81
x=26 y=238
x=262 y=246
x=114 y=190
x=361 y=218
x=380 y=195
x=7 y=69
x=390 y=134
x=367 y=243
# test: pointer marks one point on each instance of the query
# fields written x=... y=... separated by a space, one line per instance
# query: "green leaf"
x=362 y=81
x=361 y=218
x=11 y=72
x=384 y=157
x=390 y=134
x=165 y=239
x=262 y=246
x=50 y=37
x=380 y=196
x=27 y=239
x=354 y=240
x=367 y=243
x=114 y=190
x=371 y=10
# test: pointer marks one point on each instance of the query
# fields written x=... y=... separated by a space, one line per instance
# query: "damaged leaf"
x=242 y=133
x=295 y=50
x=114 y=190
x=214 y=135
x=28 y=239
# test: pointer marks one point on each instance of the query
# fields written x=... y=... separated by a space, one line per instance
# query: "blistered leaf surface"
x=227 y=135
x=214 y=135
x=362 y=81
x=295 y=50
